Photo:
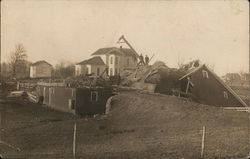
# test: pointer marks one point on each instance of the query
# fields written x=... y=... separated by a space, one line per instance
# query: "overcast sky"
x=216 y=32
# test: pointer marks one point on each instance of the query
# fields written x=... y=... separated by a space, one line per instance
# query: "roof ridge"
x=37 y=62
x=93 y=60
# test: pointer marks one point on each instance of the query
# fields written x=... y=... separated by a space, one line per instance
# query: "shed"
x=41 y=69
x=79 y=101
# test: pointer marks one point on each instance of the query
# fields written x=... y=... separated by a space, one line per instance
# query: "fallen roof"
x=92 y=61
x=41 y=62
x=192 y=71
x=219 y=80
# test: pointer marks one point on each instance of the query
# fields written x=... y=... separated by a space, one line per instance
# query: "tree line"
x=18 y=66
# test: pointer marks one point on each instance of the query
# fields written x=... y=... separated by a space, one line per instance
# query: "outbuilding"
x=41 y=69
x=79 y=101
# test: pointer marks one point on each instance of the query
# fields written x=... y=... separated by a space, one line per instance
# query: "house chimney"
x=120 y=47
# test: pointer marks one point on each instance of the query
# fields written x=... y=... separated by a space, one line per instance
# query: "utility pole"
x=125 y=41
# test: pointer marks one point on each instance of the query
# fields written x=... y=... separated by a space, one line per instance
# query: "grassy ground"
x=139 y=126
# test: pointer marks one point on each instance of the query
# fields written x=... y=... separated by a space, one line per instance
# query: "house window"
x=225 y=95
x=128 y=62
x=98 y=71
x=111 y=71
x=71 y=104
x=88 y=70
x=116 y=71
x=111 y=60
x=116 y=60
x=94 y=96
x=204 y=74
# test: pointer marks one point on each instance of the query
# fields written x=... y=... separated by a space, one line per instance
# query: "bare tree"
x=64 y=69
x=18 y=59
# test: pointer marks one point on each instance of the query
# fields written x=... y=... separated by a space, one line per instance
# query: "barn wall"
x=59 y=98
x=85 y=106
x=210 y=91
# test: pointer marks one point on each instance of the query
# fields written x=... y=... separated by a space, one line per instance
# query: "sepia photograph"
x=137 y=79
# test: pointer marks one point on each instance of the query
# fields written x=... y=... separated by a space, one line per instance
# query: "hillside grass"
x=139 y=126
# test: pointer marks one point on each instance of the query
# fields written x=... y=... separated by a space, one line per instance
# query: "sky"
x=216 y=31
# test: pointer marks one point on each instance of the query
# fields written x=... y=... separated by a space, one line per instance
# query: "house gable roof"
x=92 y=61
x=41 y=62
x=115 y=50
x=219 y=80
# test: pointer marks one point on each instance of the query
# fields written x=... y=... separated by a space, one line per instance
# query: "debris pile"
x=88 y=81
x=166 y=79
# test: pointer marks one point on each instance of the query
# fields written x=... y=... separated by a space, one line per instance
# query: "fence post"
x=203 y=141
x=74 y=142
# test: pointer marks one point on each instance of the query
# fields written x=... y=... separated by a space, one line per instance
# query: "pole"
x=130 y=46
x=151 y=58
x=0 y=126
x=0 y=46
x=74 y=142
x=249 y=130
x=203 y=141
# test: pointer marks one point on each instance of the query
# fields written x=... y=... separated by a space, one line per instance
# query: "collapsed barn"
x=207 y=88
x=194 y=81
x=79 y=101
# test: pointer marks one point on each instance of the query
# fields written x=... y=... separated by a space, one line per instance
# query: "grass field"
x=138 y=126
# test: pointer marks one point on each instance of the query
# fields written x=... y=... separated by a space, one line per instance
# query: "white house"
x=117 y=59
x=94 y=65
x=41 y=69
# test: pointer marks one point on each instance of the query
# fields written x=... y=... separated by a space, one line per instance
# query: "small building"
x=94 y=65
x=117 y=59
x=207 y=88
x=78 y=101
x=41 y=69
x=245 y=77
x=232 y=77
